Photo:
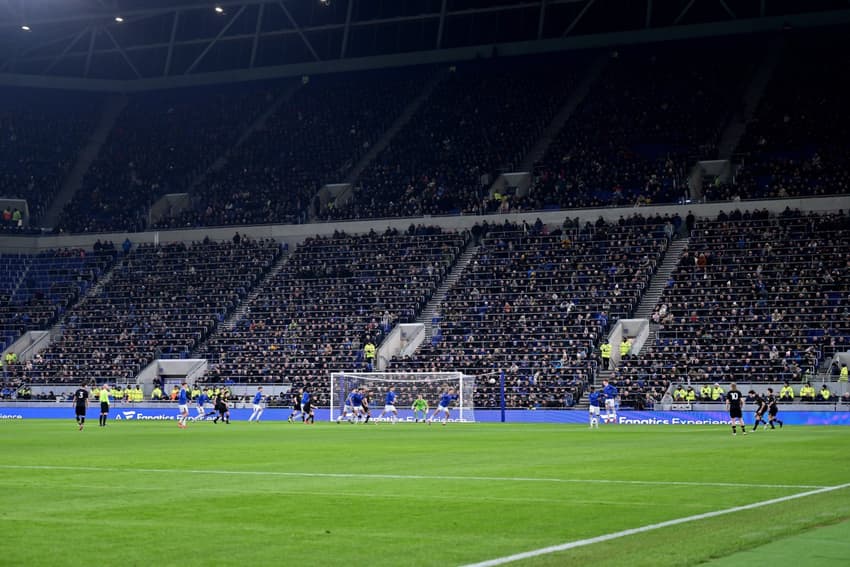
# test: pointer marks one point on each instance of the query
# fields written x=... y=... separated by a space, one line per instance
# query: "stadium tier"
x=796 y=144
x=41 y=133
x=535 y=304
x=157 y=302
x=754 y=298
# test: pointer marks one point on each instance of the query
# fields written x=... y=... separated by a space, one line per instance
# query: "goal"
x=407 y=386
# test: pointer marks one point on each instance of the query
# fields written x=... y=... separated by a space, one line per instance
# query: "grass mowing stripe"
x=368 y=476
x=651 y=527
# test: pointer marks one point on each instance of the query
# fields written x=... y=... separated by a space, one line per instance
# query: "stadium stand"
x=334 y=295
x=536 y=303
x=481 y=120
x=641 y=128
x=35 y=290
x=160 y=143
x=41 y=132
x=797 y=145
x=160 y=302
x=313 y=139
x=754 y=298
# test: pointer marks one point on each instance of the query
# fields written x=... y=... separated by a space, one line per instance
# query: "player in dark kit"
x=221 y=408
x=364 y=404
x=296 y=406
x=81 y=404
x=761 y=408
x=735 y=407
x=772 y=409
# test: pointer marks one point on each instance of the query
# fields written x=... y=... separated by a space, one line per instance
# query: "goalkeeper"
x=420 y=408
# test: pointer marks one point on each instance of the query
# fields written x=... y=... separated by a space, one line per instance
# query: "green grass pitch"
x=147 y=493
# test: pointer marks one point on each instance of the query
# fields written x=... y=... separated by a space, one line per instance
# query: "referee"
x=104 y=404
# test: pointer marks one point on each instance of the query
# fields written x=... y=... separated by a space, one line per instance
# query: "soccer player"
x=761 y=407
x=104 y=404
x=257 y=404
x=446 y=399
x=81 y=404
x=356 y=400
x=307 y=406
x=296 y=406
x=594 y=411
x=772 y=410
x=420 y=408
x=610 y=393
x=183 y=405
x=202 y=400
x=221 y=408
x=389 y=405
x=347 y=408
x=364 y=404
x=735 y=407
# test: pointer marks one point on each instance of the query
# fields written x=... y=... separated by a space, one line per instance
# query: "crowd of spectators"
x=36 y=289
x=796 y=145
x=642 y=126
x=160 y=143
x=535 y=303
x=160 y=302
x=41 y=133
x=335 y=299
x=754 y=298
x=314 y=138
x=481 y=120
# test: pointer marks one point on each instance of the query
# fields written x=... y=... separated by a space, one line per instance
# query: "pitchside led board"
x=660 y=418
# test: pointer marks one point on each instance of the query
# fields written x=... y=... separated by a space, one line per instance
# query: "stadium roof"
x=156 y=43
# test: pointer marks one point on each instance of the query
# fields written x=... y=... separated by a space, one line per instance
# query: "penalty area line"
x=648 y=528
x=377 y=476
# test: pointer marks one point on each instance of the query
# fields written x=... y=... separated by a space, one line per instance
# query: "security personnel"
x=843 y=374
x=679 y=394
x=138 y=395
x=716 y=393
x=824 y=393
x=705 y=392
x=691 y=395
x=625 y=347
x=807 y=393
x=156 y=394
x=369 y=351
x=605 y=351
x=786 y=393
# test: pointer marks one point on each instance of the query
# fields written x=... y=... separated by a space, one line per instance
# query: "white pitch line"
x=410 y=477
x=647 y=528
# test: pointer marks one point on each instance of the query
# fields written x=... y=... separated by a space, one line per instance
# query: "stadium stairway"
x=242 y=310
x=659 y=280
x=395 y=127
x=432 y=309
x=111 y=110
x=753 y=94
x=258 y=124
x=538 y=150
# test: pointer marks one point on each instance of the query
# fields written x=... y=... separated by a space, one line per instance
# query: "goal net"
x=408 y=385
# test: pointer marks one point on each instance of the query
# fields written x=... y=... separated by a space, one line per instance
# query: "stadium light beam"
x=119 y=19
x=219 y=10
x=26 y=28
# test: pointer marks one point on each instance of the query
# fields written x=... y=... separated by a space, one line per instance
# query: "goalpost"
x=407 y=386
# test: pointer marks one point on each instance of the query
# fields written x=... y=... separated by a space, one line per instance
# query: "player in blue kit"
x=257 y=405
x=183 y=405
x=202 y=400
x=389 y=405
x=356 y=401
x=347 y=407
x=307 y=407
x=610 y=393
x=593 y=401
x=446 y=399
